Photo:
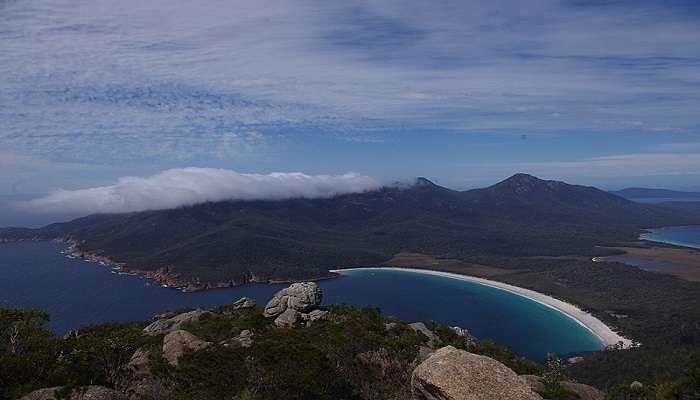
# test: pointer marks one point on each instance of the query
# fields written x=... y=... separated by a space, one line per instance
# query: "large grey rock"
x=78 y=393
x=176 y=343
x=243 y=303
x=301 y=297
x=288 y=319
x=174 y=323
x=452 y=374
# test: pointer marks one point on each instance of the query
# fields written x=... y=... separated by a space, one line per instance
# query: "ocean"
x=77 y=293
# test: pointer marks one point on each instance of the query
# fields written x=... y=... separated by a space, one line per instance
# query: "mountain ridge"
x=233 y=242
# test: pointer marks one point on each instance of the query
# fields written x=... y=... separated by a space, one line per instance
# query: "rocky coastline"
x=167 y=276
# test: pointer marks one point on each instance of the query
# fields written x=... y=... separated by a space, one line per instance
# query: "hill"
x=233 y=242
x=646 y=193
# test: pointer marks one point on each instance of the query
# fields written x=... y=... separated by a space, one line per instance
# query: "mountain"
x=232 y=242
x=645 y=193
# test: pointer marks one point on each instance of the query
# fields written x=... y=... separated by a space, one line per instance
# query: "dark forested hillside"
x=233 y=242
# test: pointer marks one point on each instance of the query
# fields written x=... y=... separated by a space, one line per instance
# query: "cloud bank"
x=187 y=186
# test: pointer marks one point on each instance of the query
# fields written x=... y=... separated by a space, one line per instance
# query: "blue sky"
x=605 y=93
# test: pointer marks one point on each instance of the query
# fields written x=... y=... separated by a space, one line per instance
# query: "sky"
x=95 y=93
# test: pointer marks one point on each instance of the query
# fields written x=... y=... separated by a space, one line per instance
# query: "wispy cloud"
x=155 y=79
x=187 y=186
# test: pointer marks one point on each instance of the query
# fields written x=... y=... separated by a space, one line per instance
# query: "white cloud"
x=187 y=186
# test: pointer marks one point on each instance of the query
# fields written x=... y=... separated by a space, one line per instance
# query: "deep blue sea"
x=76 y=293
x=688 y=236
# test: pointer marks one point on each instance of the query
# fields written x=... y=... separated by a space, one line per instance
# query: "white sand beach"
x=606 y=335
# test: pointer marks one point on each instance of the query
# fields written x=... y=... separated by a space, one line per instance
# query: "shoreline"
x=645 y=236
x=600 y=330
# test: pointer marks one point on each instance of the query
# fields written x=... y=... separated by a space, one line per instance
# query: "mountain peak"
x=523 y=178
x=423 y=182
x=523 y=183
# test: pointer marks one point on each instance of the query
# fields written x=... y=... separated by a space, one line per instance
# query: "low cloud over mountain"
x=187 y=186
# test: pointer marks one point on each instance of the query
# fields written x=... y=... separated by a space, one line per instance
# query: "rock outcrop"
x=78 y=393
x=452 y=374
x=243 y=303
x=296 y=305
x=174 y=323
x=302 y=297
x=176 y=343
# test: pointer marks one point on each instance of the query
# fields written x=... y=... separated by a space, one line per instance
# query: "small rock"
x=176 y=343
x=315 y=315
x=71 y=334
x=288 y=319
x=174 y=323
x=461 y=332
x=452 y=374
x=78 y=393
x=584 y=392
x=165 y=315
x=245 y=338
x=301 y=297
x=636 y=385
x=139 y=362
x=243 y=303
x=574 y=360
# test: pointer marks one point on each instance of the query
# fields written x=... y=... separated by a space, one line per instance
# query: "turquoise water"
x=688 y=236
x=77 y=293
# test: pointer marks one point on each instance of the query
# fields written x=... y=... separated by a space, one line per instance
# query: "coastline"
x=647 y=235
x=604 y=333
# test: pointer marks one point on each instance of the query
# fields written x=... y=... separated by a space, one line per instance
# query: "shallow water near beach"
x=77 y=293
x=688 y=236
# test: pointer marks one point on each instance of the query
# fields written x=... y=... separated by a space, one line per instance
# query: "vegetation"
x=359 y=354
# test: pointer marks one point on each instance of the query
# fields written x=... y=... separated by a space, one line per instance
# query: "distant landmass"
x=234 y=242
x=646 y=193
